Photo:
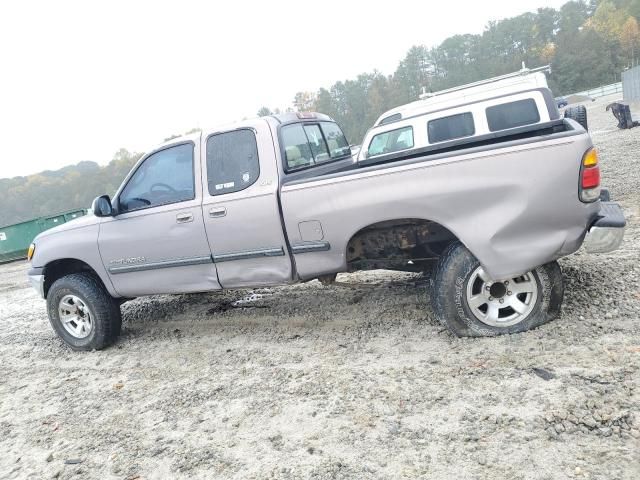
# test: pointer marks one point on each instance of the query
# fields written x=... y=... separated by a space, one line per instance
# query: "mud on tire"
x=453 y=273
x=104 y=312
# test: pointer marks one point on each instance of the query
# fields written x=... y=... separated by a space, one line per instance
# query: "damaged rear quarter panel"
x=515 y=207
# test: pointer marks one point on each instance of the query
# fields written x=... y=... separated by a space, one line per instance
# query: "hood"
x=80 y=222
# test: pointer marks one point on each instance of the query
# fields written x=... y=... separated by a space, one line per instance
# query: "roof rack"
x=522 y=72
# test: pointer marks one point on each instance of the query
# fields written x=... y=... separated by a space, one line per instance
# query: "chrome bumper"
x=607 y=232
x=603 y=239
x=37 y=282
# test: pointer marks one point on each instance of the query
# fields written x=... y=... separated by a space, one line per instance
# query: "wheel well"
x=63 y=267
x=394 y=243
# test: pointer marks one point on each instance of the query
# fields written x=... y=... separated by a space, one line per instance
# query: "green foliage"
x=304 y=101
x=588 y=43
x=577 y=68
x=71 y=187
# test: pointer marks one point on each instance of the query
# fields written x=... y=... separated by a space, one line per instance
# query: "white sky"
x=79 y=80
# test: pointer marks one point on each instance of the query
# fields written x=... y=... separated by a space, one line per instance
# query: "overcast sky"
x=79 y=80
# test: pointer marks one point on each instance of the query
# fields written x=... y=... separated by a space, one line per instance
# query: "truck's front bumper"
x=36 y=279
x=607 y=232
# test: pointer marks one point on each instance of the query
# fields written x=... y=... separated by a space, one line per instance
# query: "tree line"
x=71 y=187
x=587 y=44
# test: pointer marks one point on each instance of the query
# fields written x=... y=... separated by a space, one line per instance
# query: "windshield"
x=307 y=144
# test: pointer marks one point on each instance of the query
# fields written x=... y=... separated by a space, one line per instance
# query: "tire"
x=457 y=278
x=579 y=114
x=96 y=318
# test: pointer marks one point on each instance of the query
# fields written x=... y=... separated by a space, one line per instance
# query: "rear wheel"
x=471 y=304
x=82 y=312
x=579 y=114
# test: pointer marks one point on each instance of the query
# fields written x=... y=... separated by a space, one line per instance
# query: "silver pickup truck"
x=279 y=200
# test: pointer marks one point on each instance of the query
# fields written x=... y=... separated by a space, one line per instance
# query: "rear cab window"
x=309 y=144
x=391 y=141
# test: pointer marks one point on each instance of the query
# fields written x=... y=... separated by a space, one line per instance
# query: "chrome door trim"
x=264 y=252
x=178 y=262
x=308 y=247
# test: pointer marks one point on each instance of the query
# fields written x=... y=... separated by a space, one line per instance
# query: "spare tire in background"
x=577 y=113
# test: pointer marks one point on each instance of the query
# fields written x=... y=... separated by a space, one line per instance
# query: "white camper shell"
x=469 y=113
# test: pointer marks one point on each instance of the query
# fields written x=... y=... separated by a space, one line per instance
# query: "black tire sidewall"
x=450 y=300
x=579 y=114
x=105 y=318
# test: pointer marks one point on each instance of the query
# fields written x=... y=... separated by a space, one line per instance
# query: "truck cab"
x=200 y=212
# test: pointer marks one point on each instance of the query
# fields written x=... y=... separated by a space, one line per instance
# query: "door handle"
x=184 y=217
x=217 y=212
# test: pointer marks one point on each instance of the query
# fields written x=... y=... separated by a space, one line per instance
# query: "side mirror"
x=101 y=206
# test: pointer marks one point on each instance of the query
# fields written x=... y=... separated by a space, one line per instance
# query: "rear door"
x=241 y=209
x=157 y=242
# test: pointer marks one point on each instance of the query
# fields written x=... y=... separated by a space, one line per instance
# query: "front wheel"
x=82 y=312
x=470 y=304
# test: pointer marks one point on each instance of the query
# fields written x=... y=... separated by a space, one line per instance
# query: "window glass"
x=392 y=141
x=232 y=161
x=164 y=177
x=513 y=114
x=337 y=142
x=391 y=118
x=452 y=127
x=313 y=143
x=296 y=146
x=316 y=142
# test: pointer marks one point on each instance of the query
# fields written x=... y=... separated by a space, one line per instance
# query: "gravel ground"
x=355 y=380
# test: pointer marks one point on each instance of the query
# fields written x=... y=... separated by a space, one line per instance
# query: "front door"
x=156 y=242
x=240 y=208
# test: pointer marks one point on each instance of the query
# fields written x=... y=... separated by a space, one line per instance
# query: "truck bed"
x=488 y=193
x=527 y=134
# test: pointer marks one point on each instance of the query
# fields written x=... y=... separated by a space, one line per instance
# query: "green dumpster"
x=68 y=216
x=52 y=221
x=15 y=239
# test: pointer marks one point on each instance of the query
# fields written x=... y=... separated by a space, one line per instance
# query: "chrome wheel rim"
x=75 y=316
x=502 y=303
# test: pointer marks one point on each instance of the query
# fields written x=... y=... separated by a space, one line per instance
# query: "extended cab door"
x=240 y=207
x=156 y=242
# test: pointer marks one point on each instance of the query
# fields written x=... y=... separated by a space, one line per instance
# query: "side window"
x=232 y=161
x=392 y=141
x=164 y=177
x=513 y=114
x=391 y=118
x=450 y=128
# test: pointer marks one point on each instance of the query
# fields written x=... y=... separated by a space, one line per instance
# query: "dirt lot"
x=350 y=381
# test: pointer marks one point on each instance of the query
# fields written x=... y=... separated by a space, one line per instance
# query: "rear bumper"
x=607 y=232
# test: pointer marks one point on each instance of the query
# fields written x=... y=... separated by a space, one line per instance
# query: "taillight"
x=590 y=177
